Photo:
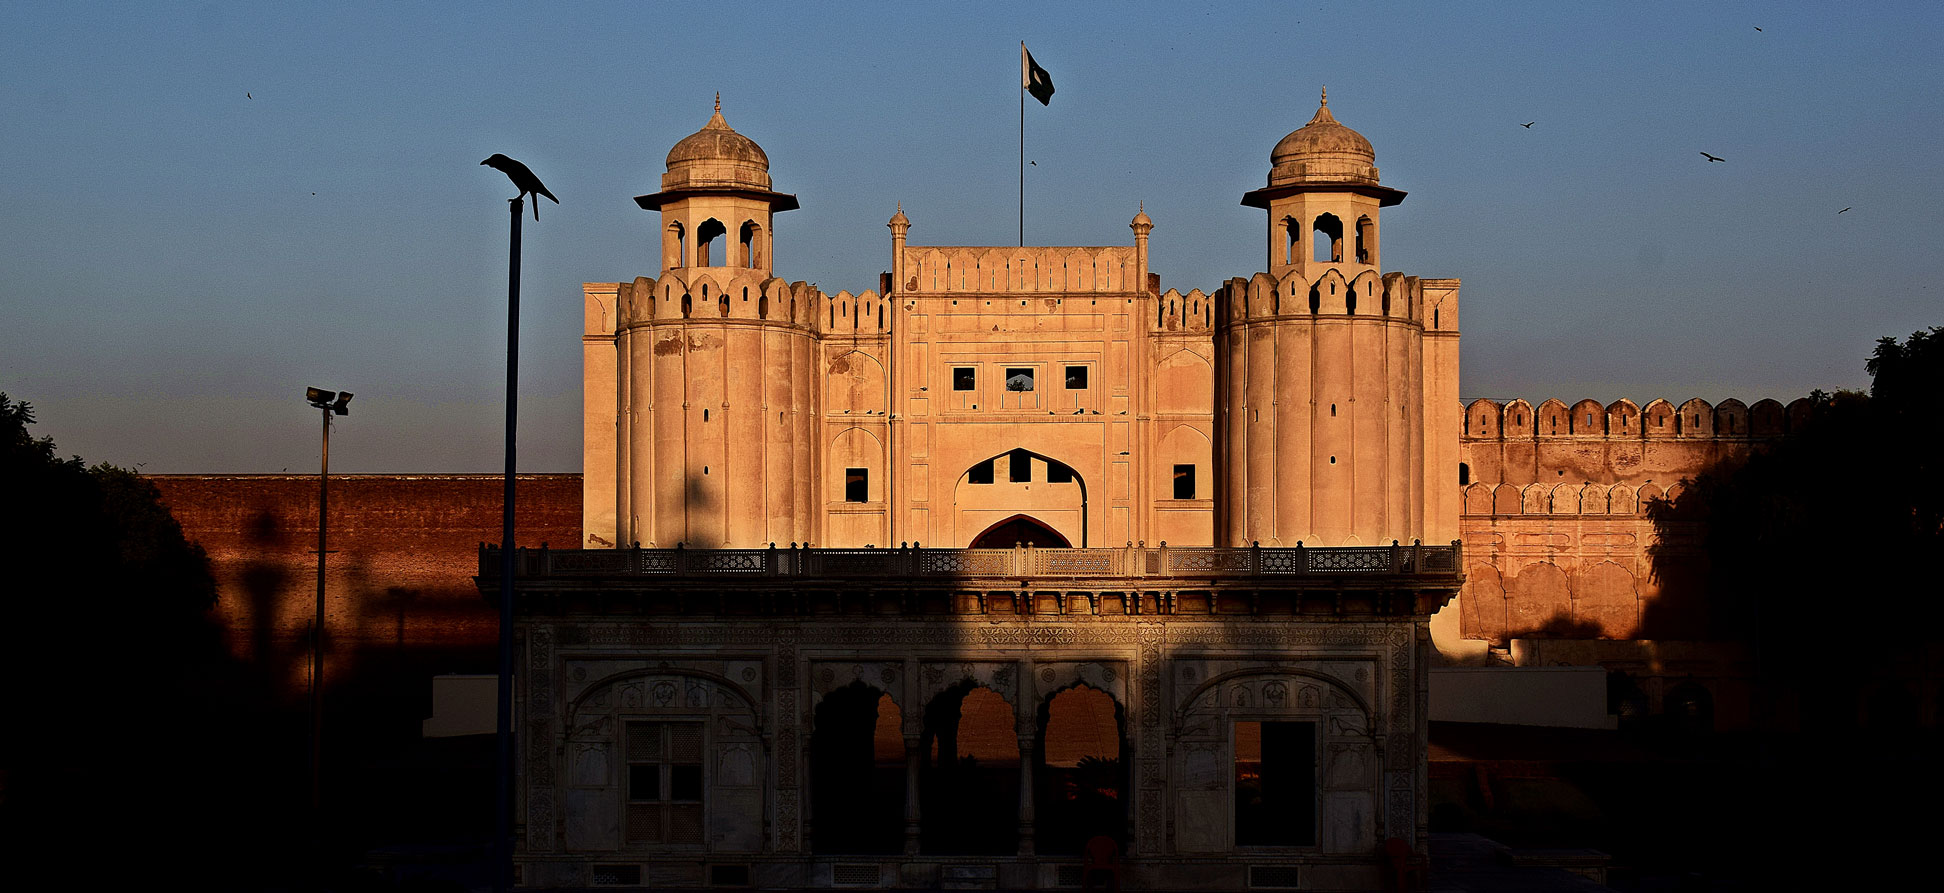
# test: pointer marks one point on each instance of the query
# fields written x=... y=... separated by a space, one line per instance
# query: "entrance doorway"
x=1020 y=530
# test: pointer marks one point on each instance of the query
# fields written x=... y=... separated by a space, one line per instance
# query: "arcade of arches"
x=962 y=787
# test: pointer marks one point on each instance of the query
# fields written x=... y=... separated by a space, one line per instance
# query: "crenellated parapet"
x=701 y=294
x=939 y=269
x=1176 y=312
x=1483 y=499
x=845 y=314
x=1695 y=419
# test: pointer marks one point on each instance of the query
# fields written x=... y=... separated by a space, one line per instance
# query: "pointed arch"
x=1019 y=529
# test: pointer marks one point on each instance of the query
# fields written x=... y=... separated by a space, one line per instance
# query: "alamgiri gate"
x=1012 y=559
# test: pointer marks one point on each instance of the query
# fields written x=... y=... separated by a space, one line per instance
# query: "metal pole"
x=1022 y=149
x=503 y=764
x=317 y=638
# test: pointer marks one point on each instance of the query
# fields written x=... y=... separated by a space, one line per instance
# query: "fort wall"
x=399 y=586
x=1553 y=512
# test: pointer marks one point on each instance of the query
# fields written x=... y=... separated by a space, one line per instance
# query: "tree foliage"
x=1831 y=533
x=135 y=731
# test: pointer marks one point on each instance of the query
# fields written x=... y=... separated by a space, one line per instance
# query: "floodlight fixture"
x=331 y=403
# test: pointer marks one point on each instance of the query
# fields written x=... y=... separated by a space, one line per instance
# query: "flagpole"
x=1022 y=144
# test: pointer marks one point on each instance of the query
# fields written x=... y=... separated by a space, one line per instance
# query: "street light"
x=331 y=403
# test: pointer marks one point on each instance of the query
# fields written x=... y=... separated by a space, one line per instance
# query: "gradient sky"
x=180 y=259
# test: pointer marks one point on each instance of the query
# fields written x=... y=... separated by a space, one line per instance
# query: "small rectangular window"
x=1184 y=482
x=1057 y=473
x=965 y=378
x=1076 y=378
x=857 y=485
x=980 y=473
x=1019 y=378
x=1021 y=471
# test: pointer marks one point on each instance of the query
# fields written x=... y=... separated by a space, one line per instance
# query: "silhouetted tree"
x=1829 y=536
x=132 y=731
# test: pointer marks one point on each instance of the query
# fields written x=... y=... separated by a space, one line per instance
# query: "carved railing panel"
x=1350 y=561
x=1076 y=562
x=1130 y=562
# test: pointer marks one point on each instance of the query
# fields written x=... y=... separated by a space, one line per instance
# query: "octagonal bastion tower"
x=1049 y=396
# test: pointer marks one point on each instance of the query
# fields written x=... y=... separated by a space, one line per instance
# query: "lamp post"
x=528 y=184
x=330 y=403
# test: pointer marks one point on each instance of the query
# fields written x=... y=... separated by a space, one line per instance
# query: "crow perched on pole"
x=522 y=178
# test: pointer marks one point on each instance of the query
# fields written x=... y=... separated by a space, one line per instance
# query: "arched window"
x=751 y=251
x=1294 y=232
x=708 y=238
x=1366 y=239
x=1328 y=239
x=675 y=246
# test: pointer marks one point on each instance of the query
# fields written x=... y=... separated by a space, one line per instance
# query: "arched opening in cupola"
x=709 y=238
x=1327 y=239
x=752 y=251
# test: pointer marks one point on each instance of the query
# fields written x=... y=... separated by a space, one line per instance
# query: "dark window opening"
x=1019 y=378
x=980 y=473
x=664 y=762
x=857 y=485
x=1365 y=240
x=1464 y=474
x=1076 y=378
x=964 y=378
x=1020 y=470
x=1058 y=473
x=1275 y=784
x=857 y=772
x=1184 y=482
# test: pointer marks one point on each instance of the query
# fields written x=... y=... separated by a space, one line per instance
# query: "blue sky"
x=178 y=260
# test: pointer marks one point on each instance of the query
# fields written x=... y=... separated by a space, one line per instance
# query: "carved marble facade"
x=743 y=659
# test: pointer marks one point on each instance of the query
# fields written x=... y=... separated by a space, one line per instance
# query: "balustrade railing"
x=1022 y=562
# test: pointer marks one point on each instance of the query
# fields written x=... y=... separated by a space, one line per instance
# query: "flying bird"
x=1712 y=158
x=1758 y=27
x=523 y=179
x=246 y=95
x=1528 y=125
x=1845 y=209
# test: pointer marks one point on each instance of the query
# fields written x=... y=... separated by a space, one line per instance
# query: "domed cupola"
x=1323 y=151
x=717 y=154
x=717 y=160
x=717 y=189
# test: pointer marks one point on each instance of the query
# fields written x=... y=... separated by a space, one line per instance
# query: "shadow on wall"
x=264 y=579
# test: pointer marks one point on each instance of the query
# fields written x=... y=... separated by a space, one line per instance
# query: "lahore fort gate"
x=1014 y=556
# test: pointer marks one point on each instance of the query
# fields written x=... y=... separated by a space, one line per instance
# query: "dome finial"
x=1326 y=97
x=719 y=100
